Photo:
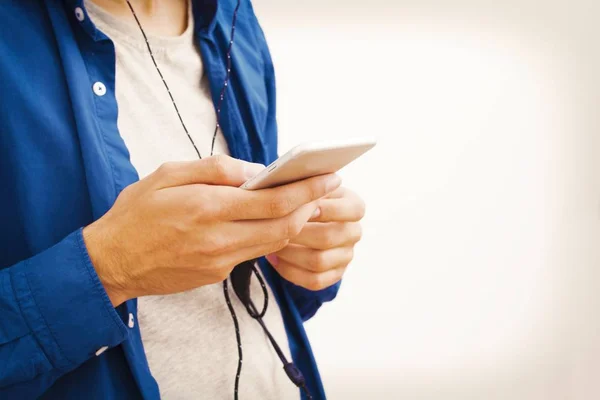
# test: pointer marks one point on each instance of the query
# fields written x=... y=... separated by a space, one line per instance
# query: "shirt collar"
x=205 y=17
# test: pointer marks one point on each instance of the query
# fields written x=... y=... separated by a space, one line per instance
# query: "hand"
x=318 y=257
x=188 y=225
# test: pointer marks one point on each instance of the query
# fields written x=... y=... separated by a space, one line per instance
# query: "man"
x=116 y=240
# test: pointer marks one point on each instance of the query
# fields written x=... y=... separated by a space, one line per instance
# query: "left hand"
x=318 y=257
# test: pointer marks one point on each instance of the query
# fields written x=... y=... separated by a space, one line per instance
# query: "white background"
x=477 y=277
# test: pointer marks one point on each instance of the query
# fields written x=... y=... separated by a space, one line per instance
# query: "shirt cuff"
x=65 y=304
x=307 y=301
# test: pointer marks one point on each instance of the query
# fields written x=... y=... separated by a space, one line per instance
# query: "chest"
x=166 y=112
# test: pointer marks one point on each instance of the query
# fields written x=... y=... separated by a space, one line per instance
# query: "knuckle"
x=343 y=191
x=358 y=232
x=280 y=206
x=206 y=209
x=318 y=261
x=316 y=282
x=324 y=188
x=317 y=190
x=278 y=245
x=166 y=169
x=194 y=207
x=213 y=246
x=278 y=230
x=219 y=166
x=294 y=227
x=328 y=239
x=361 y=209
x=350 y=256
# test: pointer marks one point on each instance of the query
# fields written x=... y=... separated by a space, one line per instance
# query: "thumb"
x=216 y=170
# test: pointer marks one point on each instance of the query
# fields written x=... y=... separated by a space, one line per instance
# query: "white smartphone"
x=308 y=160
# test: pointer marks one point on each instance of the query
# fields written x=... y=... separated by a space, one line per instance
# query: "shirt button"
x=99 y=89
x=131 y=323
x=101 y=350
x=79 y=14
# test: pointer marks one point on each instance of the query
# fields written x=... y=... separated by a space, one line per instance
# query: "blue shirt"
x=62 y=165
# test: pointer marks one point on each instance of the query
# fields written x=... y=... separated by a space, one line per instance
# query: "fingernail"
x=273 y=259
x=316 y=213
x=333 y=183
x=252 y=169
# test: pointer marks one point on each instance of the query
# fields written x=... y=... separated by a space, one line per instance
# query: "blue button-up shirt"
x=62 y=165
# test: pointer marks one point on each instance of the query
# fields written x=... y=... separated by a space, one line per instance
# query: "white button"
x=101 y=350
x=79 y=14
x=99 y=88
x=131 y=323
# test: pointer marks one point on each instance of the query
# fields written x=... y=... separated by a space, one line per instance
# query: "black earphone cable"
x=294 y=374
x=238 y=339
x=240 y=279
x=167 y=86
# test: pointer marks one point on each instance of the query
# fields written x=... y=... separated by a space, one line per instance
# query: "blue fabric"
x=62 y=165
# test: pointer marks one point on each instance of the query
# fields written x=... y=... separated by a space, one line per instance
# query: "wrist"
x=105 y=260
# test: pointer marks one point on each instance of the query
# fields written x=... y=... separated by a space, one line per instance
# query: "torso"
x=189 y=337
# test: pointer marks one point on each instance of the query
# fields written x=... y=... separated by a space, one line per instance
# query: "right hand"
x=188 y=225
